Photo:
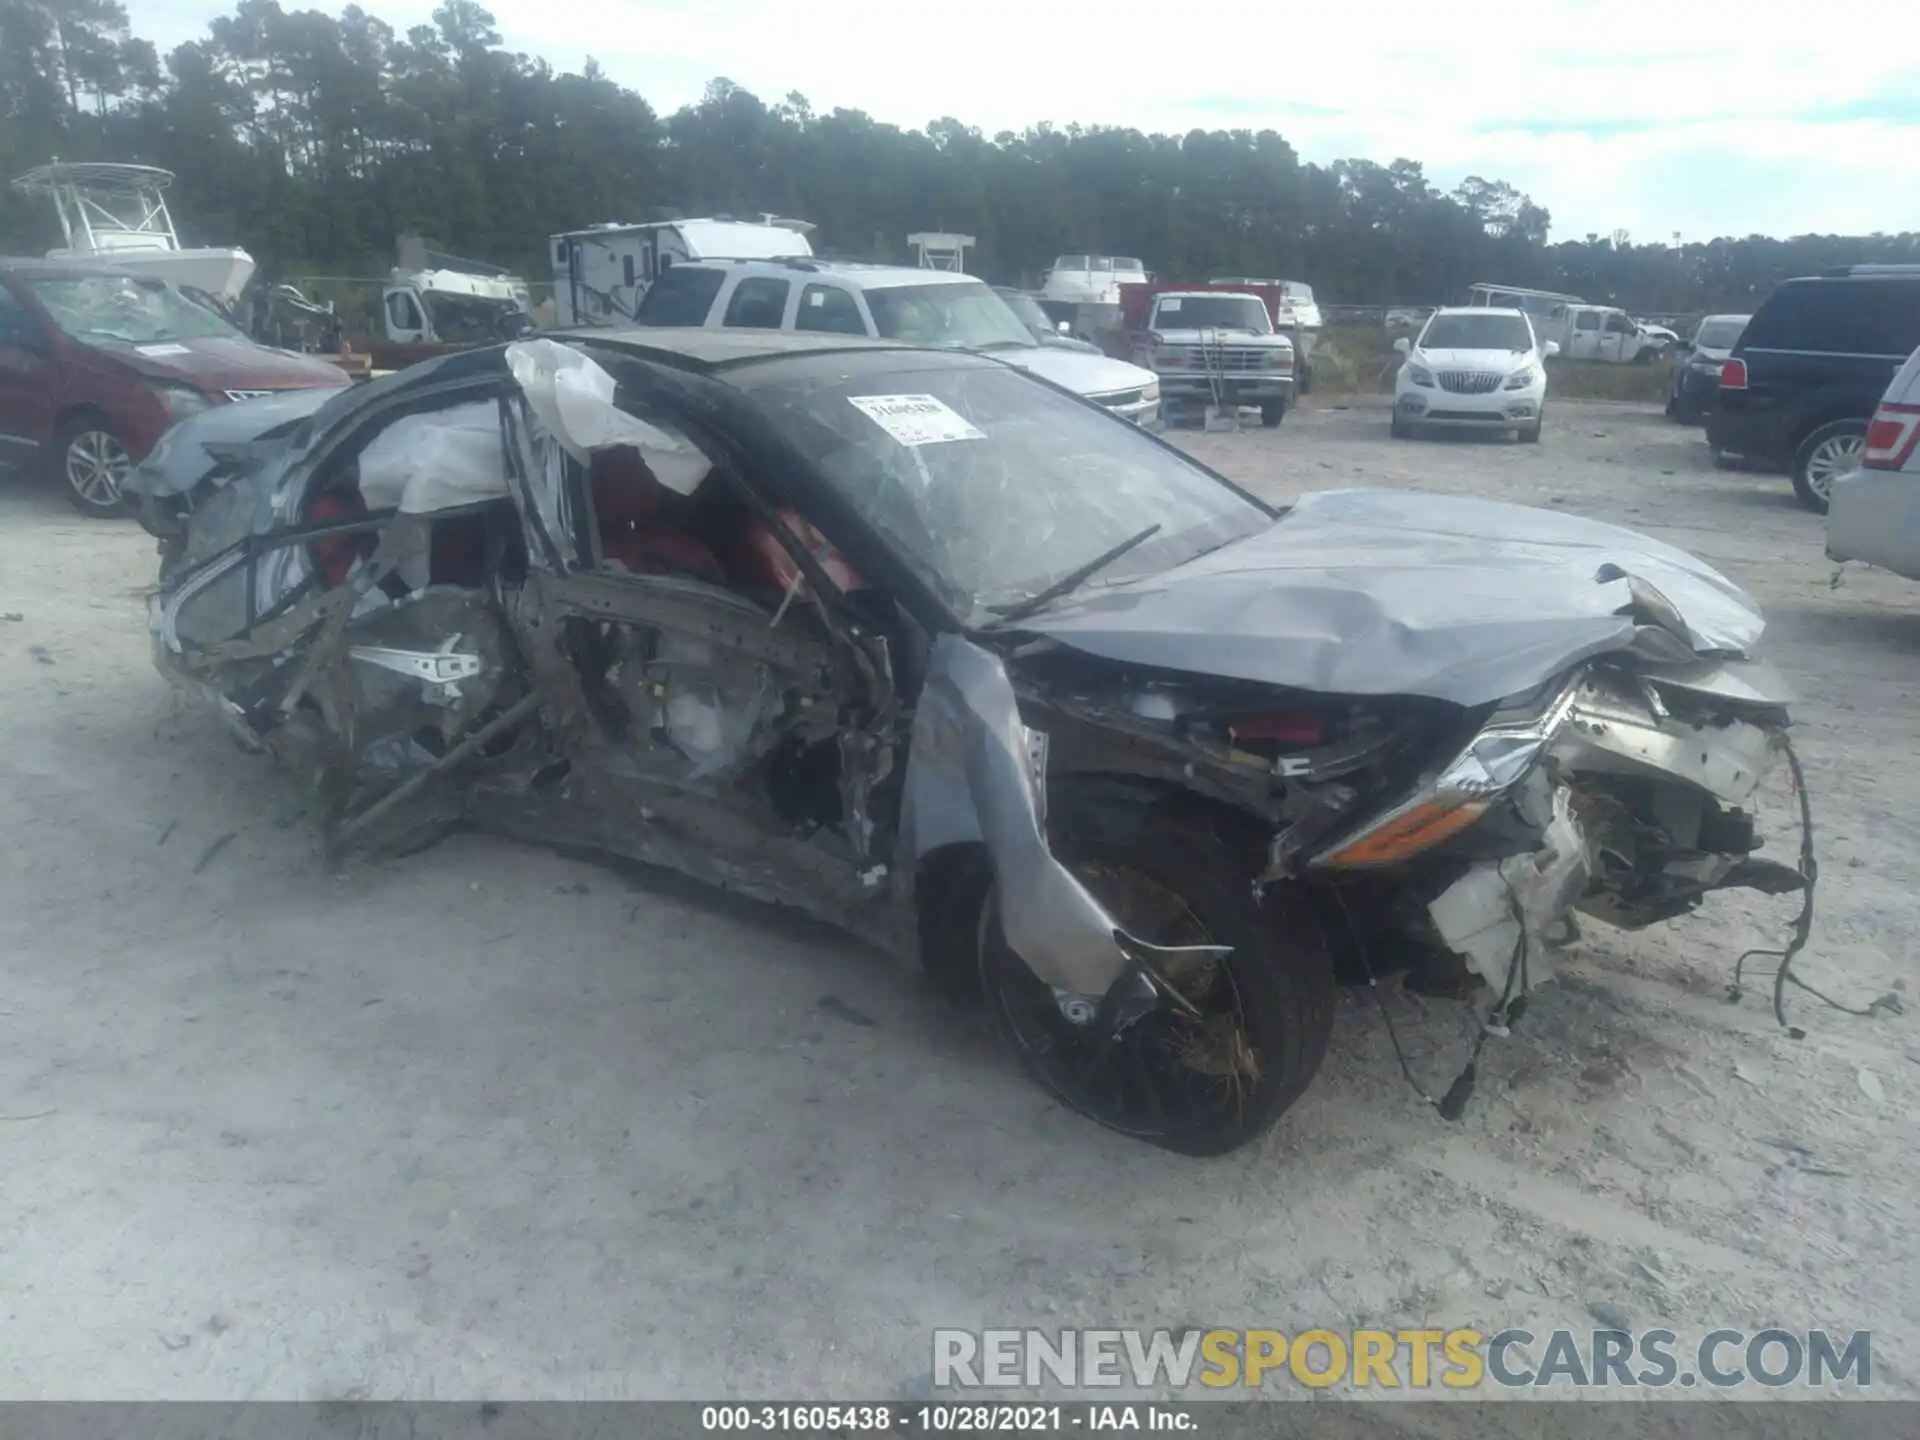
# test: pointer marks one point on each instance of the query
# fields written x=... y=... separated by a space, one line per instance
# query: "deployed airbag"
x=436 y=460
x=572 y=397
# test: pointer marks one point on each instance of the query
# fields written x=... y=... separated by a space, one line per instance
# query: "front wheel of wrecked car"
x=1212 y=1069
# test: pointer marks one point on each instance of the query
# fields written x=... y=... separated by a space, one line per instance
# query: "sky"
x=1690 y=117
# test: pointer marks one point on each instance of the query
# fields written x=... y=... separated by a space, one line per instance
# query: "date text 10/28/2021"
x=938 y=1419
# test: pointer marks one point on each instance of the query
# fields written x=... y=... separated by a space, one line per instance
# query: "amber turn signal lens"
x=1420 y=828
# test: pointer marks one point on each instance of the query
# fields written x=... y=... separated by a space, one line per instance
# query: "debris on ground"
x=219 y=844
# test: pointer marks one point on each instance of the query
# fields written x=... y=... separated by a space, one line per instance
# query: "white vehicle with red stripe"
x=1874 y=515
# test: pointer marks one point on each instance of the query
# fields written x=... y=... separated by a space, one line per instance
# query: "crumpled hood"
x=1095 y=374
x=182 y=458
x=1383 y=592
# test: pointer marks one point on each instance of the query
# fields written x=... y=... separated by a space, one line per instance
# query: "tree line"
x=315 y=141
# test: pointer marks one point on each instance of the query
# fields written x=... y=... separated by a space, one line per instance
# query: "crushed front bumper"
x=1603 y=727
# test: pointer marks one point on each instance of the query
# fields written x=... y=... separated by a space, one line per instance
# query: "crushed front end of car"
x=1449 y=764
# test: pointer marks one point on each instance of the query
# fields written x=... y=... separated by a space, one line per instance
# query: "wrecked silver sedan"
x=953 y=659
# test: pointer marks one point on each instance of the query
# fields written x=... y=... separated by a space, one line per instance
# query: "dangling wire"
x=1802 y=924
x=1505 y=1010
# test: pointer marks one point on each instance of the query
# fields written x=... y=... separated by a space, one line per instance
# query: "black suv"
x=1803 y=382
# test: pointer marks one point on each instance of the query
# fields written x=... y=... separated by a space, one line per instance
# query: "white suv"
x=1473 y=368
x=1873 y=513
x=892 y=302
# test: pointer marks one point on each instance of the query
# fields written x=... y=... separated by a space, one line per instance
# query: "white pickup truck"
x=1211 y=347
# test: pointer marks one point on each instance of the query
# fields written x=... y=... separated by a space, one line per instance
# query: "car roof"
x=1856 y=273
x=1476 y=310
x=1707 y=319
x=859 y=273
x=1872 y=272
x=701 y=348
x=1522 y=290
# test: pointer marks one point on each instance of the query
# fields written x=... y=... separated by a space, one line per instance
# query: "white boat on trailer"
x=118 y=214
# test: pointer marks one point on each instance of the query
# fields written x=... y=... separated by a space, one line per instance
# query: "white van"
x=600 y=274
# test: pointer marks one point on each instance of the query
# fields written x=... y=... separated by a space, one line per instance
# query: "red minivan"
x=95 y=363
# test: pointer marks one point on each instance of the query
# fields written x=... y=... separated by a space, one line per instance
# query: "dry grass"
x=1352 y=359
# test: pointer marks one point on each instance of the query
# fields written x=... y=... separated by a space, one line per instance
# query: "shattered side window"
x=991 y=485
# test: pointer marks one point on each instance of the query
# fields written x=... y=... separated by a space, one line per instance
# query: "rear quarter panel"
x=1790 y=394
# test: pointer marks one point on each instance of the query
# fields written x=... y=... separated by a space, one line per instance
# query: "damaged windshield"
x=968 y=316
x=993 y=487
x=130 y=309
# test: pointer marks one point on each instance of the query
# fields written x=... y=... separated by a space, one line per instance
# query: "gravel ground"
x=491 y=1122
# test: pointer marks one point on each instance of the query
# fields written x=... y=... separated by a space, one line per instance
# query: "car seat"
x=762 y=561
x=627 y=506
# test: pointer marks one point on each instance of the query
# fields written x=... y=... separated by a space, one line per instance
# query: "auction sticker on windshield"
x=916 y=419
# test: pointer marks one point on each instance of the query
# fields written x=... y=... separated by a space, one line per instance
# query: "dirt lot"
x=493 y=1122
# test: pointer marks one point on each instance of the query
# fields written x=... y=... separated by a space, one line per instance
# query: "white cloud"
x=1698 y=116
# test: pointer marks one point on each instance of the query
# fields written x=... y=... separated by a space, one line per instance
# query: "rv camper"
x=599 y=274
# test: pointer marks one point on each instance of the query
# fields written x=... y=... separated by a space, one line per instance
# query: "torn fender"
x=974 y=774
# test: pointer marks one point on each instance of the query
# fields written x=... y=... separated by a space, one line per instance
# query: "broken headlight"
x=1503 y=753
